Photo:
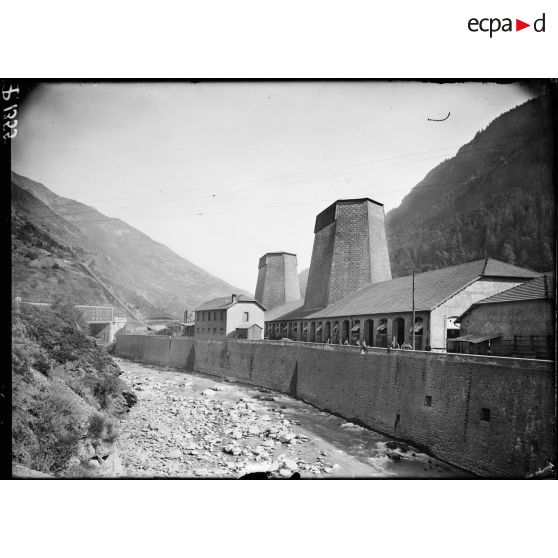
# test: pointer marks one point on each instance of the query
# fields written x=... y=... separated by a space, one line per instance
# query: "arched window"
x=312 y=334
x=335 y=334
x=417 y=332
x=326 y=336
x=345 y=331
x=398 y=330
x=319 y=338
x=355 y=332
x=381 y=333
x=368 y=333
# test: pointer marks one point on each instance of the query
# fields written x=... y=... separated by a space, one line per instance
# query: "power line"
x=46 y=219
x=107 y=219
x=477 y=148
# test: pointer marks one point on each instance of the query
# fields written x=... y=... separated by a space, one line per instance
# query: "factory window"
x=428 y=400
x=215 y=316
x=485 y=414
x=203 y=330
x=197 y=330
x=245 y=316
x=214 y=330
x=381 y=335
x=209 y=316
x=221 y=331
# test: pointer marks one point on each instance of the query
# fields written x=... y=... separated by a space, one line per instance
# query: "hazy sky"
x=223 y=172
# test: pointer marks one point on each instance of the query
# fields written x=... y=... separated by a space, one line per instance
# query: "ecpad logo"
x=493 y=25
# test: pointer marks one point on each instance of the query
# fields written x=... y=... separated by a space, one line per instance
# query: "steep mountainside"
x=493 y=199
x=63 y=247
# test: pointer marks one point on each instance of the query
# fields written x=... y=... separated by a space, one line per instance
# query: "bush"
x=96 y=426
x=66 y=310
x=60 y=380
x=56 y=430
x=102 y=429
x=27 y=355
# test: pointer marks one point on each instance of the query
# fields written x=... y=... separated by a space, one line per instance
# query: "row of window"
x=382 y=324
x=219 y=315
x=324 y=330
x=209 y=331
x=208 y=316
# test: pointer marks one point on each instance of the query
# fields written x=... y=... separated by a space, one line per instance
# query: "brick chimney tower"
x=277 y=279
x=350 y=251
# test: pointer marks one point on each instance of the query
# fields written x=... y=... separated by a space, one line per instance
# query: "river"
x=189 y=425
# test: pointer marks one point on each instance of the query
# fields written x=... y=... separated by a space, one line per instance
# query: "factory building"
x=351 y=296
x=518 y=322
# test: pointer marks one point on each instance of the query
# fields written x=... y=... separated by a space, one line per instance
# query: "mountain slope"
x=60 y=245
x=493 y=199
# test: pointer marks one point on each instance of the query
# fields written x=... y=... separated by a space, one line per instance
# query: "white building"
x=220 y=317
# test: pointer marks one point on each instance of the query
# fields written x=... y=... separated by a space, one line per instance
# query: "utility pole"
x=413 y=310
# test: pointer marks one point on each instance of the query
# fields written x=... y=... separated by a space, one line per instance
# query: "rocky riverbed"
x=195 y=426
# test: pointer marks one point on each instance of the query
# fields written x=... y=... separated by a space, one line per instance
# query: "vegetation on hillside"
x=63 y=246
x=66 y=393
x=493 y=199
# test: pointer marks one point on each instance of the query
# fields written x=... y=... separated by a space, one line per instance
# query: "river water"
x=190 y=425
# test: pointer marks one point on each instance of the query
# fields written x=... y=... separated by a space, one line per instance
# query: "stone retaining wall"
x=437 y=401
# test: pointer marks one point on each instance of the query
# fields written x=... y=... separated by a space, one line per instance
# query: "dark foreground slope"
x=66 y=395
x=493 y=199
x=61 y=246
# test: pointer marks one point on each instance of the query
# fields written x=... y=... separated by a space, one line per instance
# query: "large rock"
x=290 y=464
x=232 y=449
x=174 y=454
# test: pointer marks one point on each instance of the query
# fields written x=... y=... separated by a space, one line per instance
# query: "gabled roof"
x=280 y=311
x=225 y=302
x=248 y=326
x=432 y=288
x=540 y=287
x=495 y=268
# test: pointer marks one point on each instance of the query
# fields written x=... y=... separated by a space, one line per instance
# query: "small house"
x=249 y=331
x=220 y=317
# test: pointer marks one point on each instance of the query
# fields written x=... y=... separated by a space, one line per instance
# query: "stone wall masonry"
x=277 y=280
x=181 y=352
x=387 y=391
